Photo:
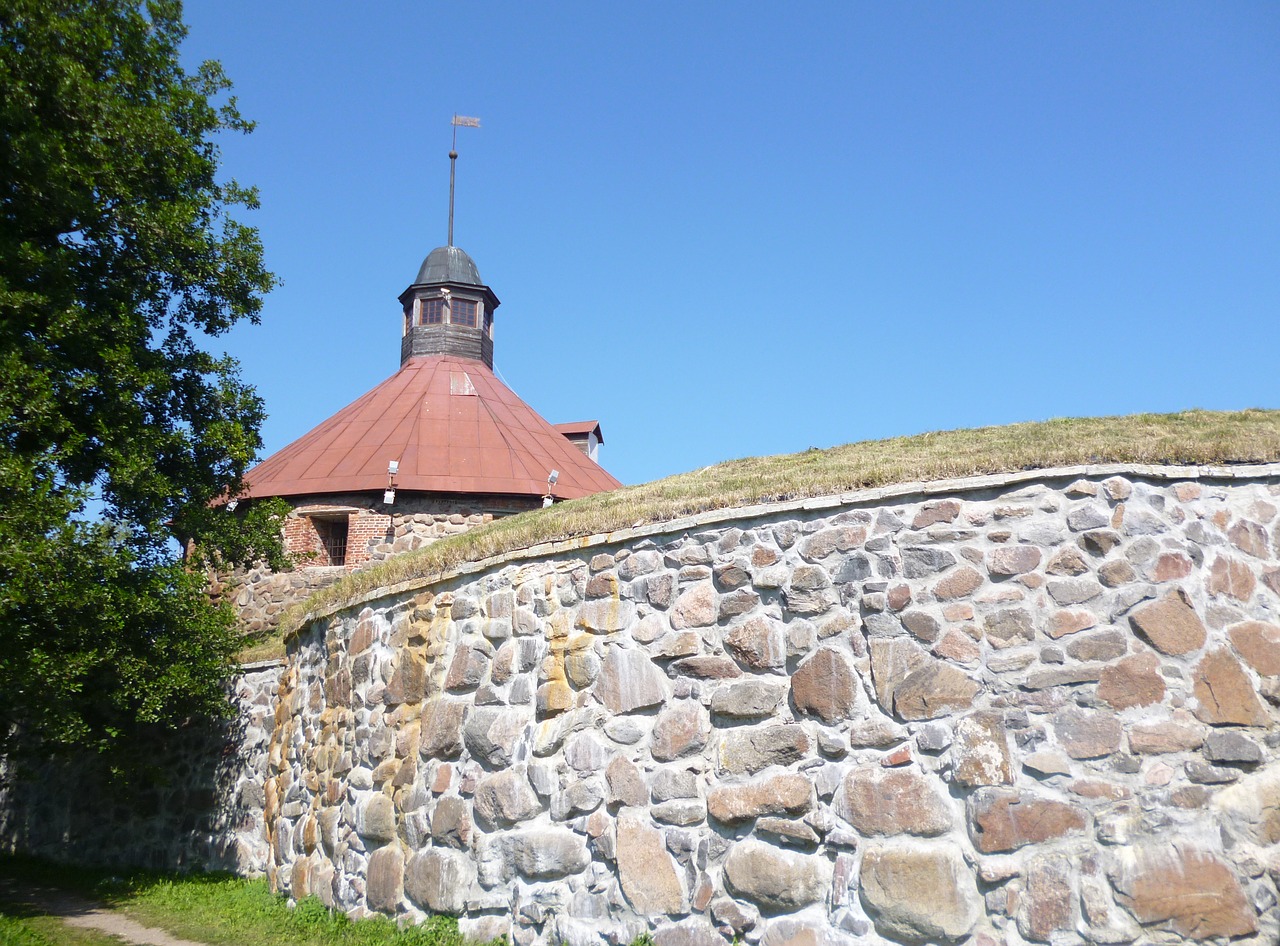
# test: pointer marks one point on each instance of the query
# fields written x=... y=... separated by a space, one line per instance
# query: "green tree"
x=119 y=259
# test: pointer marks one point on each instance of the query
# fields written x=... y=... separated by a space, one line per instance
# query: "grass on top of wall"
x=1189 y=437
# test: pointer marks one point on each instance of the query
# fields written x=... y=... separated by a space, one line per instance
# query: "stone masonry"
x=1036 y=711
x=200 y=805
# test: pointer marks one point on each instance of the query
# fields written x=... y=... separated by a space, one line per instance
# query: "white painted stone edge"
x=861 y=497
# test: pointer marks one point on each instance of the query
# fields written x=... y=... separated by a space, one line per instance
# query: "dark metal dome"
x=448 y=264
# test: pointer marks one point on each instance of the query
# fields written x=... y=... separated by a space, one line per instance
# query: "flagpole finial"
x=459 y=121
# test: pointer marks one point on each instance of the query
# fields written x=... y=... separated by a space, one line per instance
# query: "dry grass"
x=1191 y=437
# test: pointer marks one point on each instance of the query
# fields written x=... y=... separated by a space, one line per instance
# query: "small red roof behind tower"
x=582 y=427
x=453 y=427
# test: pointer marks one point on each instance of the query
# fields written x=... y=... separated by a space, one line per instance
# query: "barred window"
x=464 y=312
x=333 y=539
x=432 y=312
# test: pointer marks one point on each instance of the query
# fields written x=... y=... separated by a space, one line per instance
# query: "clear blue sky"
x=736 y=229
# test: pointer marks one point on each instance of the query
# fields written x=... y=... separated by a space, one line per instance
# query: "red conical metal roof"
x=454 y=428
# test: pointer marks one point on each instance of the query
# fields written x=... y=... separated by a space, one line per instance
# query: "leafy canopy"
x=119 y=259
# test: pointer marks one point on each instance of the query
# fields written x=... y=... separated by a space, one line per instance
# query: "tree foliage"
x=119 y=259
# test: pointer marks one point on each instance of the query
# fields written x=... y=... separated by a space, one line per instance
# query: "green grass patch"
x=40 y=930
x=1190 y=438
x=217 y=909
x=237 y=912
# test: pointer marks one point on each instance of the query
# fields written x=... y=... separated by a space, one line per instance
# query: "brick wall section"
x=367 y=530
x=375 y=533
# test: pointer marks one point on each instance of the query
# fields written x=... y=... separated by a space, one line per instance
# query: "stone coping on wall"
x=861 y=497
x=257 y=666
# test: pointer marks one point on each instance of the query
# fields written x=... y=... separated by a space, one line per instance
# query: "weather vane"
x=459 y=121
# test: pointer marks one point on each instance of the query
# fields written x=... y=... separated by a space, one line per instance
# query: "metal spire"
x=459 y=121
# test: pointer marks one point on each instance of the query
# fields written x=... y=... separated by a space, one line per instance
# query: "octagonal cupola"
x=448 y=310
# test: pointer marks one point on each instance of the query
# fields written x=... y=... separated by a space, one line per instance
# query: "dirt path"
x=77 y=911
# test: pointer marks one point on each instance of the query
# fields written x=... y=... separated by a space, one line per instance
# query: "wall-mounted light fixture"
x=232 y=504
x=548 y=499
x=389 y=494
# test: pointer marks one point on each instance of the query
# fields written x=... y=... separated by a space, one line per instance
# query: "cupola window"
x=432 y=312
x=464 y=312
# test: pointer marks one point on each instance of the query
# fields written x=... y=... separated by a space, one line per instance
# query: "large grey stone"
x=629 y=681
x=892 y=660
x=639 y=563
x=1012 y=560
x=493 y=859
x=818 y=546
x=1086 y=734
x=492 y=734
x=671 y=782
x=776 y=881
x=748 y=700
x=506 y=798
x=788 y=793
x=451 y=823
x=383 y=886
x=924 y=561
x=1231 y=747
x=605 y=615
x=934 y=689
x=649 y=877
x=548 y=853
x=377 y=820
x=680 y=730
x=747 y=751
x=879 y=801
x=409 y=681
x=585 y=753
x=1251 y=808
x=919 y=892
x=439 y=881
x=1008 y=628
x=759 y=643
x=626 y=784
x=1067 y=591
x=809 y=591
x=1086 y=517
x=981 y=754
x=697 y=606
x=1171 y=624
x=579 y=798
x=1047 y=898
x=442 y=722
x=825 y=686
x=1184 y=888
x=680 y=811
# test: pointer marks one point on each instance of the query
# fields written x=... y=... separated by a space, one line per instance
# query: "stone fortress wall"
x=198 y=807
x=1030 y=708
